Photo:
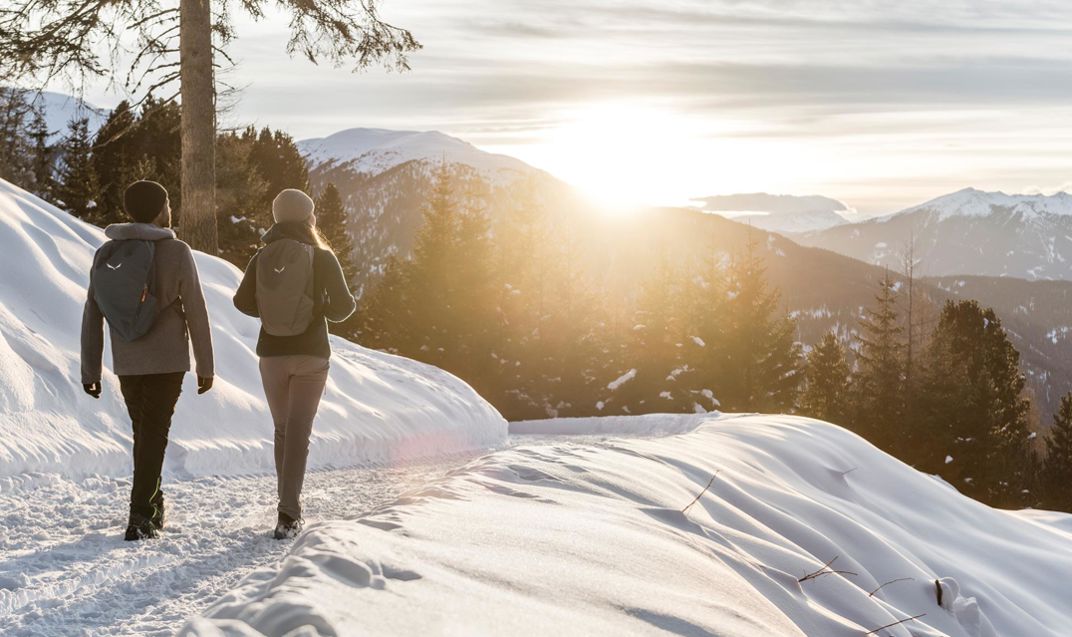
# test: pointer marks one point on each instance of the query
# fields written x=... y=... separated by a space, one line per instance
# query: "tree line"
x=513 y=313
x=86 y=172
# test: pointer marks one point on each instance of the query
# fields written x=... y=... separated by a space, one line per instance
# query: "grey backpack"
x=122 y=279
x=285 y=287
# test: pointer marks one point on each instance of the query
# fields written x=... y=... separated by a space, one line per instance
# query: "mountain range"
x=969 y=232
x=386 y=177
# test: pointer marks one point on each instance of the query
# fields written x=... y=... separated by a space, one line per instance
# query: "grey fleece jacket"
x=166 y=347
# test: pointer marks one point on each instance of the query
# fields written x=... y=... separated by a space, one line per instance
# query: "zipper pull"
x=144 y=293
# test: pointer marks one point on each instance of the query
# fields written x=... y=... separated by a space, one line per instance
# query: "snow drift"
x=377 y=408
x=721 y=531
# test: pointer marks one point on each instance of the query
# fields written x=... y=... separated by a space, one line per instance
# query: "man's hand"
x=203 y=384
x=93 y=389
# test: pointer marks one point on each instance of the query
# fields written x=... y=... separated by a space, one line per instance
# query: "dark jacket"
x=331 y=296
x=165 y=348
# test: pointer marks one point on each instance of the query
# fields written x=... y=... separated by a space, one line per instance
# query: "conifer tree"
x=976 y=416
x=760 y=366
x=15 y=145
x=656 y=347
x=182 y=44
x=826 y=386
x=43 y=157
x=1057 y=473
x=78 y=181
x=331 y=220
x=879 y=385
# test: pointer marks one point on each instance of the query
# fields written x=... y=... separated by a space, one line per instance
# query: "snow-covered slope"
x=779 y=213
x=377 y=407
x=372 y=151
x=749 y=526
x=969 y=232
x=60 y=110
x=971 y=202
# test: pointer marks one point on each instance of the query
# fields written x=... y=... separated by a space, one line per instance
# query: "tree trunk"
x=197 y=218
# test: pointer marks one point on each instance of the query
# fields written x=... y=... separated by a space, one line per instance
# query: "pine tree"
x=760 y=366
x=879 y=385
x=15 y=145
x=331 y=219
x=78 y=182
x=975 y=414
x=1057 y=471
x=826 y=387
x=278 y=161
x=440 y=307
x=657 y=347
x=43 y=157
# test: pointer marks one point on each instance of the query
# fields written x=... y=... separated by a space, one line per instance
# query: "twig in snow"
x=903 y=579
x=938 y=590
x=697 y=498
x=903 y=621
x=826 y=570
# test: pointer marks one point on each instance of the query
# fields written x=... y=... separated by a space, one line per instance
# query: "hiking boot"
x=140 y=527
x=287 y=527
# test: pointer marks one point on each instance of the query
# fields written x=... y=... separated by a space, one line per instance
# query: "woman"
x=294 y=284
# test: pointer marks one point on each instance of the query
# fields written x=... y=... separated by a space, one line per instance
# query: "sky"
x=880 y=104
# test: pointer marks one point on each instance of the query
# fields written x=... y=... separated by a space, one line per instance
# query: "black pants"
x=151 y=403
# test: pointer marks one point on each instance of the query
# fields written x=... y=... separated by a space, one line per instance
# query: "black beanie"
x=144 y=200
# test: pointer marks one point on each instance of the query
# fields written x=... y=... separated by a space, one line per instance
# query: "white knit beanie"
x=293 y=205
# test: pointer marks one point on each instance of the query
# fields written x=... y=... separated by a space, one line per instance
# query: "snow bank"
x=591 y=539
x=644 y=425
x=377 y=409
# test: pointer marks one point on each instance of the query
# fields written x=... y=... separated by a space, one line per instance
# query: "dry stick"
x=903 y=621
x=903 y=579
x=697 y=498
x=825 y=570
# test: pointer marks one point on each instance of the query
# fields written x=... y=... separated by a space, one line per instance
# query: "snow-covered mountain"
x=746 y=526
x=386 y=178
x=372 y=151
x=60 y=110
x=377 y=407
x=786 y=214
x=969 y=232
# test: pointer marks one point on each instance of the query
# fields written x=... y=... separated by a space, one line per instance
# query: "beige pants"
x=293 y=386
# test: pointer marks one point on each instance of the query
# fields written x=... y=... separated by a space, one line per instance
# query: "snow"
x=645 y=425
x=780 y=213
x=711 y=532
x=375 y=150
x=66 y=570
x=621 y=380
x=377 y=409
x=971 y=202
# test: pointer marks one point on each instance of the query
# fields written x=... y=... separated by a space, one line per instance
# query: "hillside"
x=823 y=289
x=377 y=407
x=721 y=531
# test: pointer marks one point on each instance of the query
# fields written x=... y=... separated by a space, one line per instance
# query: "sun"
x=624 y=155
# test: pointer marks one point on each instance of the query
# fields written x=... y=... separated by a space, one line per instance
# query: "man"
x=144 y=281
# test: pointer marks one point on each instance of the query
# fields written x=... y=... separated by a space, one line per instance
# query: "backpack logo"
x=114 y=267
x=280 y=270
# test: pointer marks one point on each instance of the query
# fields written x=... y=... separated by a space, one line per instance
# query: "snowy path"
x=64 y=569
